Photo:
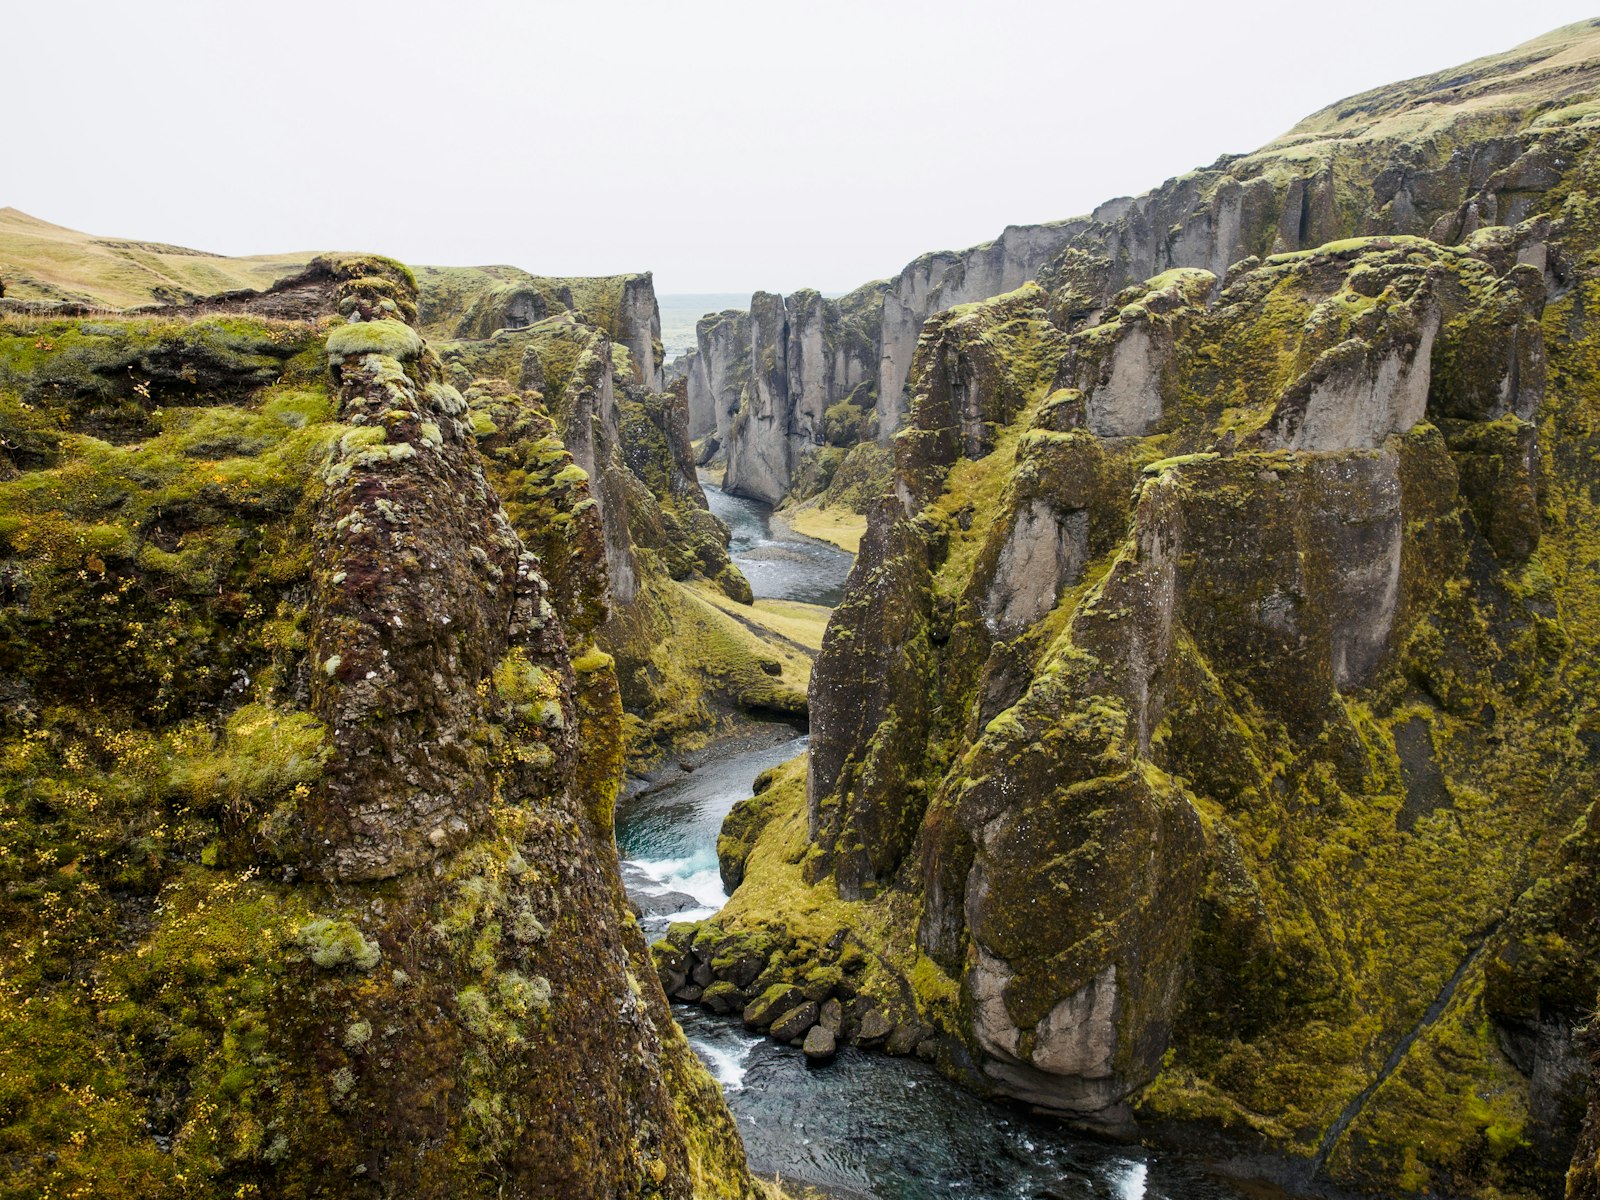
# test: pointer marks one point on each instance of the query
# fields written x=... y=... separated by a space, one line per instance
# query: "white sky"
x=725 y=145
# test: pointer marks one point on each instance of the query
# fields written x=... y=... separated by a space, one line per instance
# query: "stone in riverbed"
x=741 y=967
x=874 y=1027
x=722 y=997
x=690 y=993
x=905 y=1037
x=777 y=1000
x=820 y=983
x=820 y=1044
x=831 y=1017
x=794 y=1023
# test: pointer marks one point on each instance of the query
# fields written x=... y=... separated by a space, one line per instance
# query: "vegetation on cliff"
x=688 y=664
x=1205 y=742
x=306 y=777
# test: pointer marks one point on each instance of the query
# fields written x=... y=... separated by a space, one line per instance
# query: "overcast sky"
x=726 y=146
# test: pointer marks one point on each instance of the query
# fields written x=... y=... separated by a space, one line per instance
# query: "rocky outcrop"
x=936 y=282
x=773 y=387
x=843 y=362
x=638 y=327
x=759 y=437
x=475 y=303
x=1254 y=603
x=311 y=772
x=718 y=369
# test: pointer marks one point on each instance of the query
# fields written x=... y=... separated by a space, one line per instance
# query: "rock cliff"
x=777 y=387
x=1205 y=746
x=308 y=883
x=1439 y=156
x=478 y=302
x=686 y=667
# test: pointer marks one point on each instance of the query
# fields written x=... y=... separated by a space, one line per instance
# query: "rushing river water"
x=779 y=567
x=864 y=1125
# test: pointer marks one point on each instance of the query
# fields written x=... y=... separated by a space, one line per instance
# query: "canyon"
x=1202 y=746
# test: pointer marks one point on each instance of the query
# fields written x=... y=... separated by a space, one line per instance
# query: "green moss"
x=387 y=337
x=1180 y=460
x=523 y=683
x=332 y=944
x=690 y=657
x=592 y=660
x=264 y=754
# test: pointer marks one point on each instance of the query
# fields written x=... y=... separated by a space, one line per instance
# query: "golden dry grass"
x=41 y=261
x=839 y=526
x=802 y=625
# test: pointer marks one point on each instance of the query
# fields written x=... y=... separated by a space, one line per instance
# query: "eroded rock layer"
x=1440 y=156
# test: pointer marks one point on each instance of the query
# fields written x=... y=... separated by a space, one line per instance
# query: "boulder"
x=820 y=1044
x=905 y=1037
x=831 y=1017
x=821 y=982
x=777 y=1000
x=722 y=997
x=795 y=1022
x=874 y=1027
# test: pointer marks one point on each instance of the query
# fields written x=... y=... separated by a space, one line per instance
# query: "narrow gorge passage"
x=865 y=1125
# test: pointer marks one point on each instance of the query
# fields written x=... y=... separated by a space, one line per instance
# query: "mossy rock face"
x=477 y=303
x=575 y=438
x=108 y=379
x=548 y=498
x=1261 y=749
x=308 y=885
x=1451 y=157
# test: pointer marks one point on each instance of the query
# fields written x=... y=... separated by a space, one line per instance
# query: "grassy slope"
x=1549 y=68
x=40 y=261
x=839 y=526
x=798 y=625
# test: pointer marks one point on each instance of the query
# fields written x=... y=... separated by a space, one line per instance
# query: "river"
x=866 y=1124
x=779 y=565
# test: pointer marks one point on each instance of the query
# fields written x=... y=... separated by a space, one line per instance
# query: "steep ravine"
x=865 y=1124
x=1217 y=667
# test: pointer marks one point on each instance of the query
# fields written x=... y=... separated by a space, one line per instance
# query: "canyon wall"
x=1205 y=746
x=309 y=761
x=1439 y=157
x=684 y=666
x=777 y=384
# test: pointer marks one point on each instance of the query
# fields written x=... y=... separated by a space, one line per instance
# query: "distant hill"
x=41 y=261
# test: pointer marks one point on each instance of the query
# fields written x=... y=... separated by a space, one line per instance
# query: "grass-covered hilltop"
x=1206 y=747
